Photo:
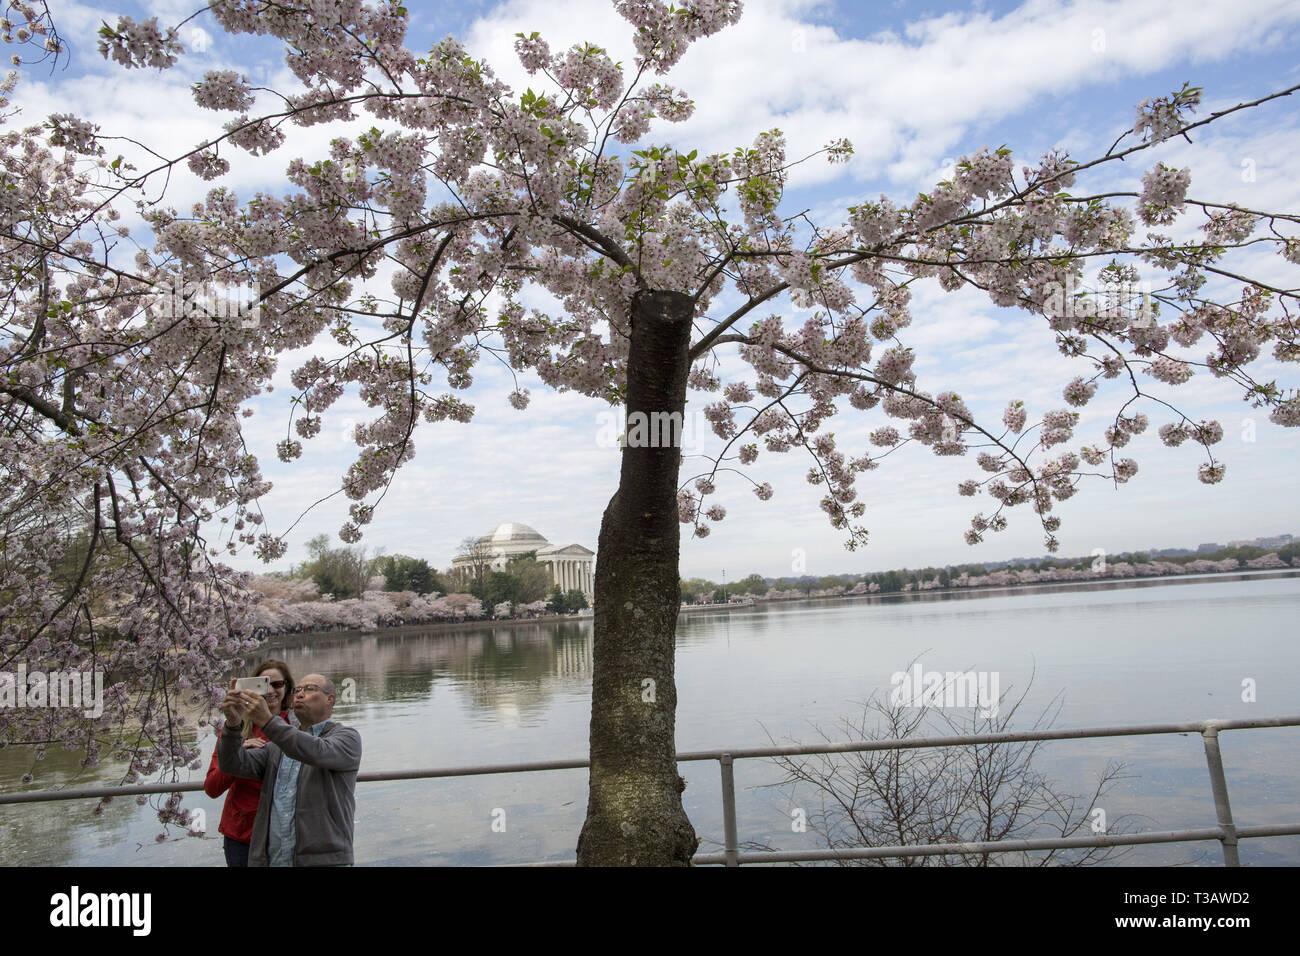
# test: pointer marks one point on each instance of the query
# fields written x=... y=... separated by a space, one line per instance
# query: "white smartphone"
x=258 y=685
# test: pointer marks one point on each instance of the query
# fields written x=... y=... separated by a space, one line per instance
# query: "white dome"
x=511 y=531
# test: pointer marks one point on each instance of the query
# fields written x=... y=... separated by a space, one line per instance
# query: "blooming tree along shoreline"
x=127 y=364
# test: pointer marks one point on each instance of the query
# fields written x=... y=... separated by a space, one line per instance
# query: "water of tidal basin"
x=1145 y=652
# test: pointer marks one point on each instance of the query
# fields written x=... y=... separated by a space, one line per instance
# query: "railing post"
x=1219 y=785
x=732 y=848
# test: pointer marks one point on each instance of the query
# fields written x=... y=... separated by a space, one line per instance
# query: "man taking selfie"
x=309 y=776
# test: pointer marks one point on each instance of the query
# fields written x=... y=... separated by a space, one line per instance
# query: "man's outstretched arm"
x=233 y=758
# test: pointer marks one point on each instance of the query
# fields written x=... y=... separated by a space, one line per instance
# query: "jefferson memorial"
x=570 y=565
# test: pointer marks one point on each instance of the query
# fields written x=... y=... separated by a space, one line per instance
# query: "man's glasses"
x=306 y=689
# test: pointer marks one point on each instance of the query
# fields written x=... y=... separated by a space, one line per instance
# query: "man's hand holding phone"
x=256 y=712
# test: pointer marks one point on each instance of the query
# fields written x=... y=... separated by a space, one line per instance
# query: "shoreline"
x=991 y=588
x=280 y=640
x=277 y=640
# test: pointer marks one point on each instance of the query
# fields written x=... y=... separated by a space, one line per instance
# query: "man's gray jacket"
x=327 y=784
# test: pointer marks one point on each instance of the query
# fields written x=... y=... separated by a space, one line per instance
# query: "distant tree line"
x=702 y=590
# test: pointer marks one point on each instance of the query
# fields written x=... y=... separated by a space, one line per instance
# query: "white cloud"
x=902 y=100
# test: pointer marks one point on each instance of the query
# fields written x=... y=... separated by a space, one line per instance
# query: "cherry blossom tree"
x=414 y=245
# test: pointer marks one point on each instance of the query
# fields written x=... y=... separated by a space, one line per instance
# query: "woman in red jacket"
x=241 y=803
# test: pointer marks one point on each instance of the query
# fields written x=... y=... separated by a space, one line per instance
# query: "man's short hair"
x=328 y=687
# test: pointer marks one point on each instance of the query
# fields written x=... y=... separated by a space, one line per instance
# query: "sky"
x=914 y=87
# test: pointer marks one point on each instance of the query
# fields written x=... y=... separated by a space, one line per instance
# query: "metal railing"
x=1226 y=831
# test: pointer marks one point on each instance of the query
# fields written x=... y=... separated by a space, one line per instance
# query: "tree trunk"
x=634 y=807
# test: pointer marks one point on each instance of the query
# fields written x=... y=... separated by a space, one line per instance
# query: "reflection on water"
x=1137 y=652
x=516 y=668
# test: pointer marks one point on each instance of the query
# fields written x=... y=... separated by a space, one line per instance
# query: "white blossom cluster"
x=1159 y=118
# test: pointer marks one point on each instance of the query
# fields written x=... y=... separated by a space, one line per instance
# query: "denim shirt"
x=283 y=835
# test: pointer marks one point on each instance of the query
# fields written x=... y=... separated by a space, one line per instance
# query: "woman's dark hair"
x=286 y=702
